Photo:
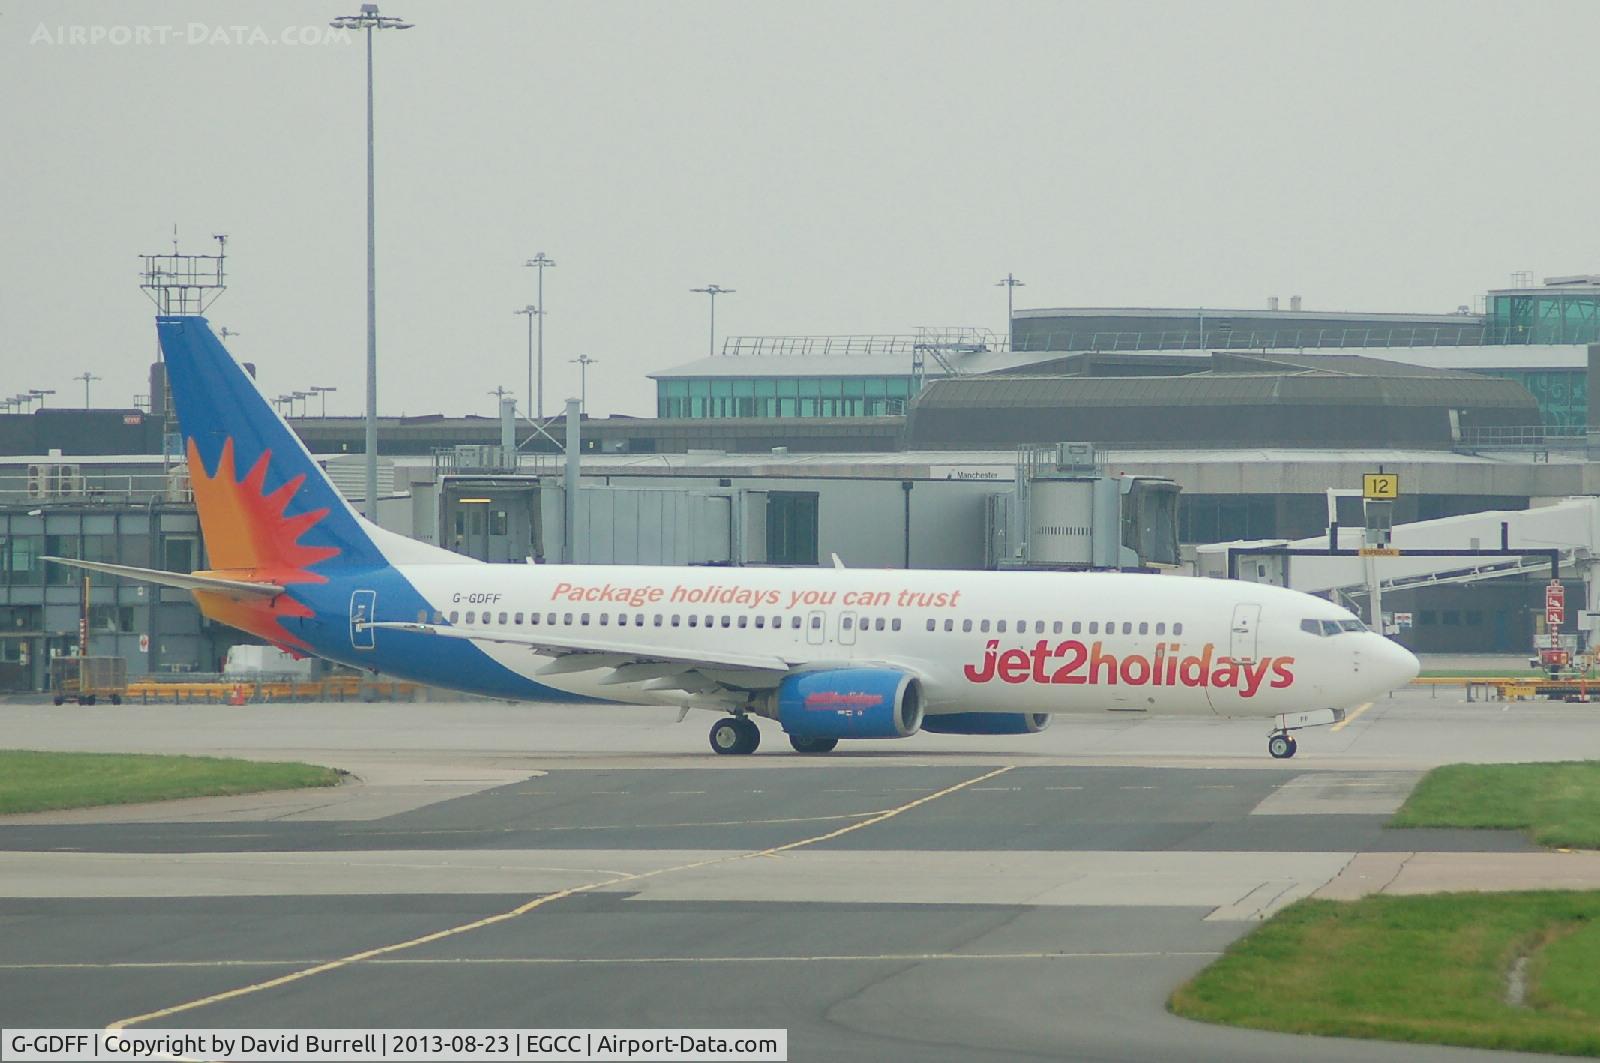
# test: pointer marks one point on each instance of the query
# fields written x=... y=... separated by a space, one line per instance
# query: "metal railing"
x=1530 y=437
x=91 y=488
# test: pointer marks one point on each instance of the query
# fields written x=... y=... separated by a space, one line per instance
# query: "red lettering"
x=1253 y=674
x=1014 y=666
x=1196 y=671
x=1041 y=655
x=1136 y=669
x=1076 y=653
x=1282 y=677
x=1097 y=660
x=984 y=672
x=1226 y=674
x=1172 y=667
x=1155 y=673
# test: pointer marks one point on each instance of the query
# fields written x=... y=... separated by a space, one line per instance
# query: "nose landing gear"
x=1282 y=745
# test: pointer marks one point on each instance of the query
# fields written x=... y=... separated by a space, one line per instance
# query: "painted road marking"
x=1348 y=720
x=540 y=902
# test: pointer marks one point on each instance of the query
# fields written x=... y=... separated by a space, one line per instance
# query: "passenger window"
x=1144 y=627
x=550 y=618
x=1038 y=627
x=1094 y=627
x=604 y=617
x=694 y=621
x=816 y=621
x=1161 y=627
x=894 y=625
x=583 y=620
x=471 y=615
x=517 y=620
x=794 y=622
x=849 y=622
x=622 y=619
x=675 y=619
x=638 y=620
x=744 y=620
x=949 y=625
x=566 y=619
x=932 y=624
x=533 y=618
x=503 y=619
x=658 y=620
x=761 y=621
x=983 y=626
x=711 y=621
x=1077 y=627
x=727 y=621
x=455 y=615
x=1177 y=629
x=880 y=624
x=966 y=625
x=1127 y=627
x=1057 y=627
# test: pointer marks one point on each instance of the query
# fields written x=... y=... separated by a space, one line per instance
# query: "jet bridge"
x=1555 y=540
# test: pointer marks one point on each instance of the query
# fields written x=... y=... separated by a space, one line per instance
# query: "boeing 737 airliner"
x=826 y=653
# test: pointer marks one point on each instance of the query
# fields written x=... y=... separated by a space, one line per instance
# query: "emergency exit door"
x=1242 y=644
x=363 y=609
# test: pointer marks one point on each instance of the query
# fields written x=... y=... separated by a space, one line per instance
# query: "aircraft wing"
x=665 y=668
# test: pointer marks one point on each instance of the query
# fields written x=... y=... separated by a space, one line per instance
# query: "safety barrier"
x=336 y=688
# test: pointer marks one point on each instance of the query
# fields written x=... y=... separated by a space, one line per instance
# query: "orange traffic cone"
x=238 y=695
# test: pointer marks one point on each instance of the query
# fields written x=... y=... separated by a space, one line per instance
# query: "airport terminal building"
x=1097 y=439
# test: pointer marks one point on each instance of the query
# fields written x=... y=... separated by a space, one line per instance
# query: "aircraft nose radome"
x=1396 y=664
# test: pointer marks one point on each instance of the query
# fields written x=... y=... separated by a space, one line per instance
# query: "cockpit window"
x=1329 y=628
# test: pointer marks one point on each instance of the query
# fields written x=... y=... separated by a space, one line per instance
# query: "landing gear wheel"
x=1282 y=747
x=60 y=700
x=749 y=734
x=735 y=734
x=86 y=701
x=812 y=745
x=116 y=699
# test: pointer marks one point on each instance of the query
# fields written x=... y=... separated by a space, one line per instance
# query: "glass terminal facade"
x=780 y=396
x=1552 y=314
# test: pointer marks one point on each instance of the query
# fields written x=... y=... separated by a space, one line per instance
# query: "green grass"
x=1429 y=969
x=36 y=782
x=1557 y=804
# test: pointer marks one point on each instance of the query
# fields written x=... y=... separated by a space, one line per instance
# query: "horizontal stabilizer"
x=189 y=581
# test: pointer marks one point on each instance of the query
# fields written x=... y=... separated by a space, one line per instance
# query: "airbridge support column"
x=1588 y=569
x=571 y=553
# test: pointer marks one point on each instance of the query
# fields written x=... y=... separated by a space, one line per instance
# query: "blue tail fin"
x=265 y=506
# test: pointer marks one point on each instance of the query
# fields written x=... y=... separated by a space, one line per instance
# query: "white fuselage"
x=1037 y=642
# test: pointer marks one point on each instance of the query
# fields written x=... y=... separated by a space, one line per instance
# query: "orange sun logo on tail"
x=249 y=537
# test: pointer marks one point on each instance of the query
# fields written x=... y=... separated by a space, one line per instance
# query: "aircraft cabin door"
x=816 y=627
x=847 y=629
x=1242 y=643
x=363 y=608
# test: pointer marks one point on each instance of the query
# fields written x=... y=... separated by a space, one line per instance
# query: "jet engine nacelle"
x=987 y=723
x=850 y=703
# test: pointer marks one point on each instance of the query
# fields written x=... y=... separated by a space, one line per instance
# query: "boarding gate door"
x=363 y=609
x=1242 y=645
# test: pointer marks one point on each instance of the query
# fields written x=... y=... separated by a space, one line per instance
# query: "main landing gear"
x=812 y=745
x=735 y=734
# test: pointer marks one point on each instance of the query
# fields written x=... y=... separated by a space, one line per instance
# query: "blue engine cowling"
x=850 y=703
x=987 y=723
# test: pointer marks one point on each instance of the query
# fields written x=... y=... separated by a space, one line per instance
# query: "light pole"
x=319 y=389
x=540 y=262
x=583 y=362
x=370 y=20
x=40 y=393
x=530 y=312
x=713 y=290
x=87 y=378
x=1010 y=284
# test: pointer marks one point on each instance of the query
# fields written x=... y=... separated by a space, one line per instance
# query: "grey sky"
x=847 y=166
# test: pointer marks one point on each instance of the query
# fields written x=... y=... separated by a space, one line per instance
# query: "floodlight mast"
x=369 y=20
x=713 y=290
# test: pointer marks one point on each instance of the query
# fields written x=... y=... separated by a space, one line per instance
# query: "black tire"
x=116 y=699
x=813 y=745
x=1294 y=747
x=86 y=701
x=1280 y=746
x=726 y=736
x=60 y=700
x=750 y=735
